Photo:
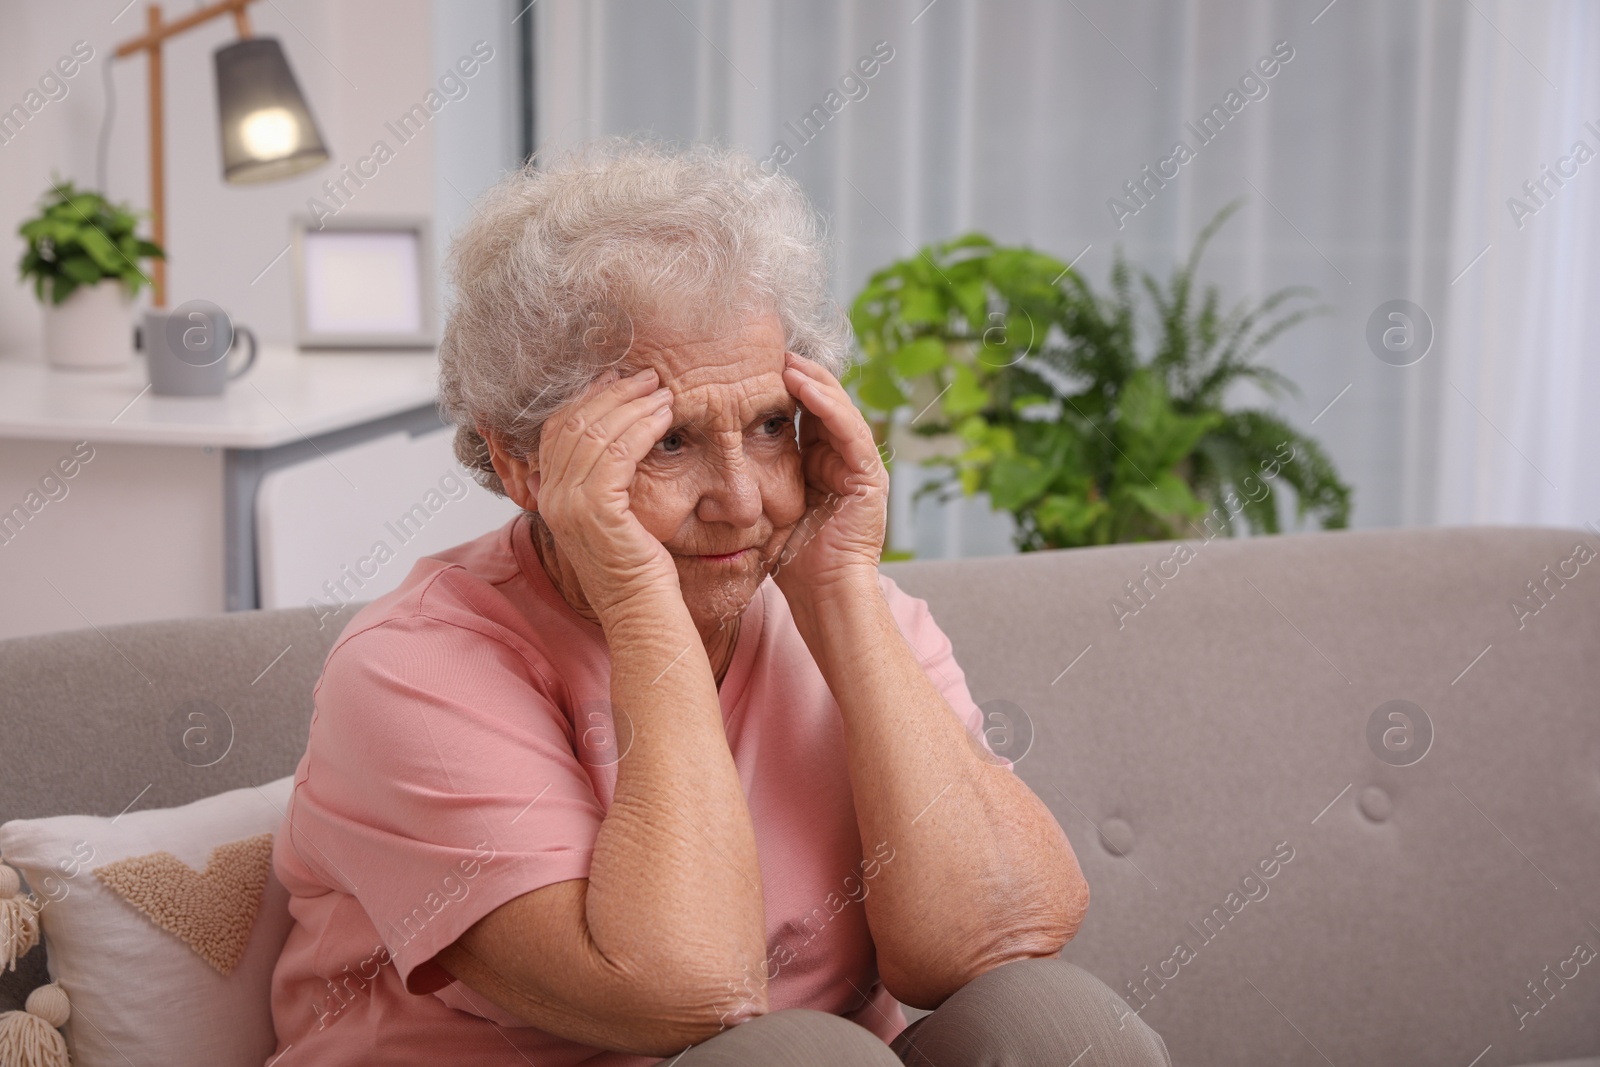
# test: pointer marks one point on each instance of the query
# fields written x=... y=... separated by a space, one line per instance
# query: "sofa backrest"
x=152 y=715
x=1228 y=700
x=1195 y=715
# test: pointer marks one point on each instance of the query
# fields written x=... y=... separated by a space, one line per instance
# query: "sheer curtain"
x=1373 y=162
x=1518 y=433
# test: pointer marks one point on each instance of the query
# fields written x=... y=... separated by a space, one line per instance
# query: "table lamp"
x=267 y=132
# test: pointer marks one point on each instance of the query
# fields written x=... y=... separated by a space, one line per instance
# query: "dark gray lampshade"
x=267 y=131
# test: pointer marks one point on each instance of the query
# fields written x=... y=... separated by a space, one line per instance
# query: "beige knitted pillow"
x=211 y=911
x=162 y=926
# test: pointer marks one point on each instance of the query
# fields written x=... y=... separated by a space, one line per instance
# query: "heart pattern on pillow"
x=211 y=911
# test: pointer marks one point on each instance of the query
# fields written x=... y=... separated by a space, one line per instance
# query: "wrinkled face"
x=722 y=489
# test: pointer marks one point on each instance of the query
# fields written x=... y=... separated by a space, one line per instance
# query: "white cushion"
x=141 y=993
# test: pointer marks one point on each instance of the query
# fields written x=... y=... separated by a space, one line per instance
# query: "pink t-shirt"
x=462 y=754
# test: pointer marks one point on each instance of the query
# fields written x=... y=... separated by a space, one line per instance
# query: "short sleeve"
x=937 y=657
x=440 y=782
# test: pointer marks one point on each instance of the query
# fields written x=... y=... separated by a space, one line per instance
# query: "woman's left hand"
x=840 y=538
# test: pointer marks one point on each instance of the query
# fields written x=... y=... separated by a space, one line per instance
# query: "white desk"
x=159 y=523
x=286 y=397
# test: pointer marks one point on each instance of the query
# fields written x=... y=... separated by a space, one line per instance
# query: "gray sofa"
x=1231 y=716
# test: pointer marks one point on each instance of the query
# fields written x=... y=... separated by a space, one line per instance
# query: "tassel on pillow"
x=30 y=1038
x=19 y=919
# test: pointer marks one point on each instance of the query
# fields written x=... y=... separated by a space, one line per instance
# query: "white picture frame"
x=363 y=282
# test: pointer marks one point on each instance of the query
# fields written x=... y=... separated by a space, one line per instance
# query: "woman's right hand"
x=588 y=453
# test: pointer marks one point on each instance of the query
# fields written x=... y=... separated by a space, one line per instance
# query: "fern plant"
x=1059 y=416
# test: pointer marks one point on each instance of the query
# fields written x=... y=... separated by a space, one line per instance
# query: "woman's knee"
x=792 y=1037
x=1035 y=1011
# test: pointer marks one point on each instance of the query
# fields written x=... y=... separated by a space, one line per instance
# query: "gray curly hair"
x=564 y=262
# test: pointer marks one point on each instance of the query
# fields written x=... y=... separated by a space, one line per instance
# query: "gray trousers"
x=1027 y=1013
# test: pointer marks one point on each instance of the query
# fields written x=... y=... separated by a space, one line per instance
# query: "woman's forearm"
x=674 y=886
x=982 y=872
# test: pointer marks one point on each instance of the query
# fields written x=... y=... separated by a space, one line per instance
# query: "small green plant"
x=78 y=239
x=1057 y=415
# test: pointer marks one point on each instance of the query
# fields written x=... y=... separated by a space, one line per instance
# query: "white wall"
x=360 y=64
x=477 y=137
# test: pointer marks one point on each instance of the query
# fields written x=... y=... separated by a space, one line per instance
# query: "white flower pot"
x=92 y=329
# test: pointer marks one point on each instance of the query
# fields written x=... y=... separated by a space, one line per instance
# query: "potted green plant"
x=1032 y=388
x=83 y=257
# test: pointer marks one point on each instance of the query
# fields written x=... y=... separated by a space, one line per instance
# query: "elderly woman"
x=664 y=767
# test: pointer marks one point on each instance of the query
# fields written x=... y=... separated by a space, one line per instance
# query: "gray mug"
x=187 y=349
